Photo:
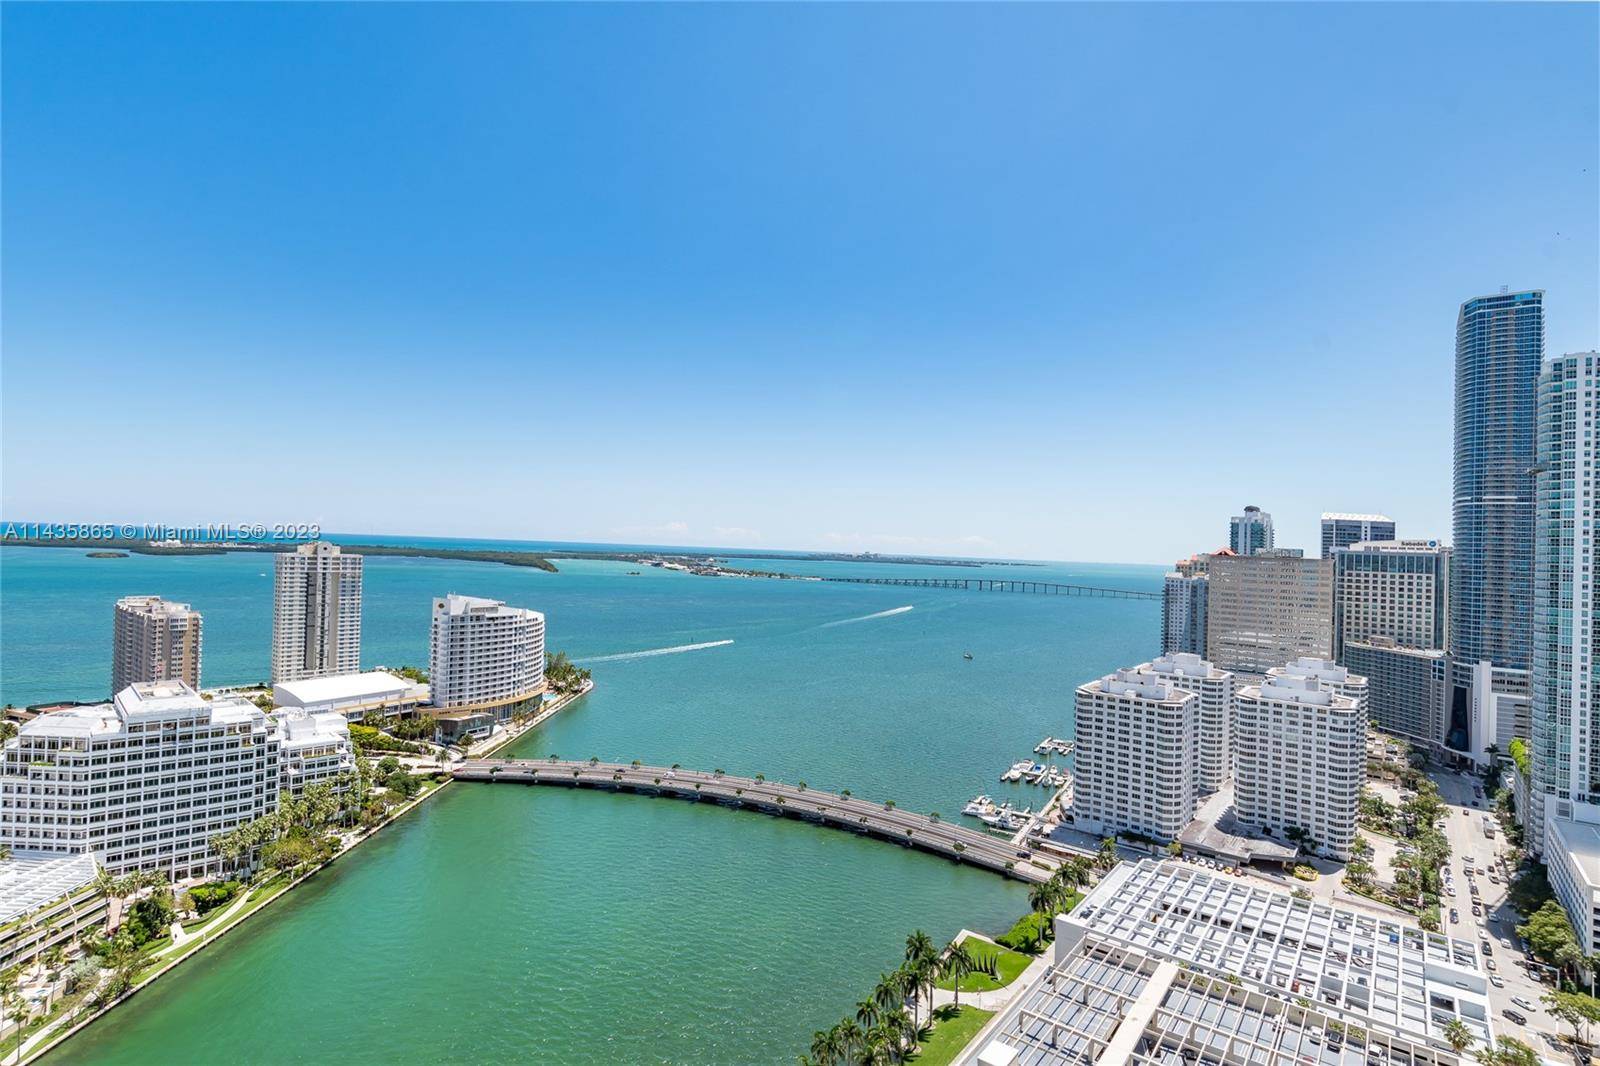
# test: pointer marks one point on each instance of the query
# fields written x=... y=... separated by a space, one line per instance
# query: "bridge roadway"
x=850 y=813
x=983 y=584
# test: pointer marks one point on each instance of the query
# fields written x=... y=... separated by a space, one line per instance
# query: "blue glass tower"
x=1499 y=348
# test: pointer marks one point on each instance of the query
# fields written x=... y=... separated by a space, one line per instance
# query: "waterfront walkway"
x=882 y=820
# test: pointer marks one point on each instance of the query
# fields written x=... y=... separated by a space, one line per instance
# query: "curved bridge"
x=884 y=821
x=983 y=584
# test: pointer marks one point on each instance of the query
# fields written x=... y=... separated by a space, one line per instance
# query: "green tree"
x=1576 y=1009
x=956 y=964
x=1457 y=1035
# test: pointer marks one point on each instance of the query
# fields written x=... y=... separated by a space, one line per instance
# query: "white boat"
x=1017 y=770
x=978 y=807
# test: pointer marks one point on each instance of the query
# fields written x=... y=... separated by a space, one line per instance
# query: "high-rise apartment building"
x=1213 y=762
x=485 y=656
x=1395 y=589
x=1267 y=609
x=1250 y=532
x=1136 y=738
x=1564 y=708
x=143 y=782
x=1300 y=761
x=1408 y=689
x=1499 y=348
x=1339 y=530
x=1183 y=608
x=316 y=616
x=154 y=640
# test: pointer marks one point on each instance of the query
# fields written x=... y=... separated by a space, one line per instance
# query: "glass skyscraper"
x=1499 y=348
x=1566 y=744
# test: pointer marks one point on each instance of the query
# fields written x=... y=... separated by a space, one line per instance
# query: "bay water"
x=499 y=922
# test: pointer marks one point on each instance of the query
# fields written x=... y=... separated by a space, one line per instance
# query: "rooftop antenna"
x=1504 y=289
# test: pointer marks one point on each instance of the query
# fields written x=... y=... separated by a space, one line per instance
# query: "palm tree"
x=1107 y=858
x=1457 y=1035
x=867 y=1014
x=886 y=994
x=956 y=965
x=910 y=982
x=822 y=1048
x=851 y=1038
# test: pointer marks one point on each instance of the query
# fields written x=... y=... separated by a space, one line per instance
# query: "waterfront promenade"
x=883 y=820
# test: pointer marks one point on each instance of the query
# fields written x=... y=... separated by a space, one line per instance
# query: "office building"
x=1213 y=763
x=1136 y=742
x=1342 y=530
x=1267 y=609
x=153 y=640
x=1565 y=713
x=316 y=615
x=353 y=696
x=1398 y=590
x=485 y=656
x=1300 y=759
x=166 y=771
x=1408 y=689
x=1499 y=348
x=1165 y=964
x=1250 y=532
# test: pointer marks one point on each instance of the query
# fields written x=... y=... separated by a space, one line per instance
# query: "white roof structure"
x=1165 y=964
x=297 y=730
x=373 y=686
x=1341 y=516
x=30 y=879
x=147 y=701
x=1581 y=841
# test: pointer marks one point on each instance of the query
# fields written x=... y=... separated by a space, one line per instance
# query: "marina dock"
x=850 y=813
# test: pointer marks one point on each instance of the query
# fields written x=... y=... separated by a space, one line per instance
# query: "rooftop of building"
x=1162 y=963
x=371 y=685
x=1184 y=664
x=456 y=604
x=1305 y=691
x=1581 y=842
x=1138 y=685
x=1342 y=516
x=142 y=702
x=30 y=879
x=154 y=605
x=297 y=729
x=1307 y=666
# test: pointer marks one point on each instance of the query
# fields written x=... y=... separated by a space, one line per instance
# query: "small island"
x=108 y=555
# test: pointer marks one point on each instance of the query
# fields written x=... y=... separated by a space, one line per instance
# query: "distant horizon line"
x=336 y=537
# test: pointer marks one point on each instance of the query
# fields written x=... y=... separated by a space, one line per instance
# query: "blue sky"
x=1068 y=282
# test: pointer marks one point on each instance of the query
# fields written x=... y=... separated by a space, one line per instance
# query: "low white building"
x=485 y=656
x=143 y=782
x=1133 y=765
x=312 y=748
x=1301 y=760
x=352 y=696
x=1572 y=859
x=1165 y=964
x=1214 y=731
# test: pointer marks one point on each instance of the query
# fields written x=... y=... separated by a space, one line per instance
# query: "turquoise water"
x=505 y=922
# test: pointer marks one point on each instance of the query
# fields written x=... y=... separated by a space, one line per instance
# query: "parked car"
x=1523 y=1002
x=1515 y=1015
x=1494 y=979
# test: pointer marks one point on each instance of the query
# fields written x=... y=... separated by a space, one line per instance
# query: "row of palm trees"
x=880 y=1031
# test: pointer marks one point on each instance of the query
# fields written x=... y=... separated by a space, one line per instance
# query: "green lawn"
x=1009 y=964
x=952 y=1030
